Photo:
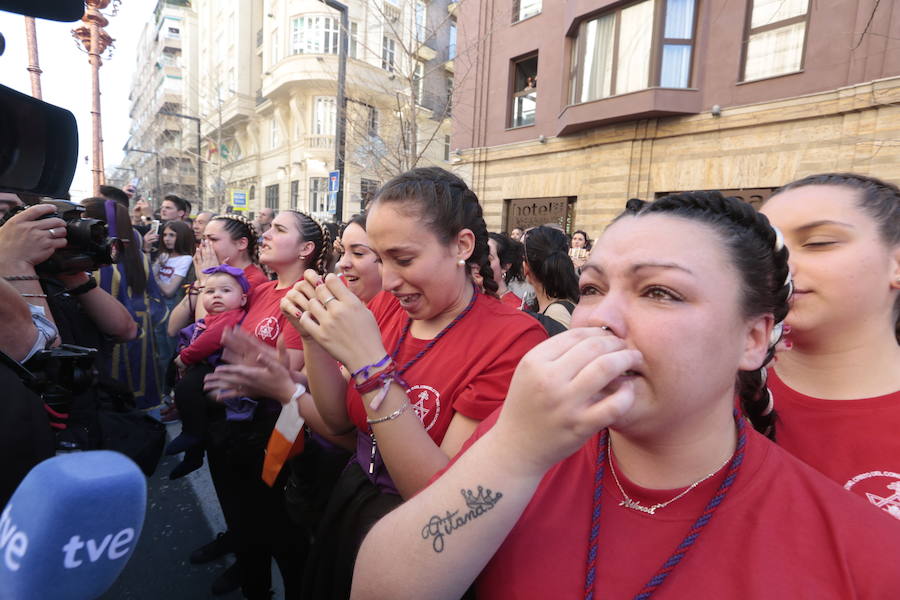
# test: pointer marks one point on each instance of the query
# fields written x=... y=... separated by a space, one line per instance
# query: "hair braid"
x=313 y=231
x=760 y=256
x=239 y=226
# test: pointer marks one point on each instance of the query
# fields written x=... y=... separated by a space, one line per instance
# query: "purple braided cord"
x=696 y=529
x=434 y=340
x=595 y=517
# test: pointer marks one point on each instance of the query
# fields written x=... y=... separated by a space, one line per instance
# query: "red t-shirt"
x=783 y=531
x=512 y=300
x=854 y=442
x=255 y=276
x=467 y=371
x=210 y=340
x=264 y=318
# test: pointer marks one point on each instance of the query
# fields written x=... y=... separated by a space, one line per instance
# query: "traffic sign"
x=239 y=200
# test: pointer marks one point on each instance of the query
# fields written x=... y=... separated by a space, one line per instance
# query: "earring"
x=461 y=262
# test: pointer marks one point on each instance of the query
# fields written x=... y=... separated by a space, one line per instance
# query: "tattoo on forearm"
x=439 y=526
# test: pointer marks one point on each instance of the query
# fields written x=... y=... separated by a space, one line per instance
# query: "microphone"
x=71 y=526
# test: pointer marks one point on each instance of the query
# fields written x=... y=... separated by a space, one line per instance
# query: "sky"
x=66 y=78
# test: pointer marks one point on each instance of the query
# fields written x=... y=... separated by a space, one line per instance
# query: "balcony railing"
x=320 y=141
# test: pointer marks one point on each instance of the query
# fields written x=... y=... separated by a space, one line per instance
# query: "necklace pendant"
x=634 y=505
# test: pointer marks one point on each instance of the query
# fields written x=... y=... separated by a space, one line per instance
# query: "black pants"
x=255 y=512
x=353 y=509
x=193 y=406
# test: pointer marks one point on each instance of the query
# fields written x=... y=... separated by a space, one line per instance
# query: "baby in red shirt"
x=224 y=297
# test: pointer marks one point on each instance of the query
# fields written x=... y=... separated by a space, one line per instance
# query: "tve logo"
x=71 y=526
x=118 y=547
x=13 y=543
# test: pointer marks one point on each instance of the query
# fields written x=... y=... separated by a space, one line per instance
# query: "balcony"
x=320 y=142
x=643 y=104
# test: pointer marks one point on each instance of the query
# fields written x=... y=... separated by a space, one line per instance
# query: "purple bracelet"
x=365 y=370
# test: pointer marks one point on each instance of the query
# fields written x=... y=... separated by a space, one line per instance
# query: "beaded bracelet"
x=391 y=416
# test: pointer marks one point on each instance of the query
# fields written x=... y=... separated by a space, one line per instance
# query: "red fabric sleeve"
x=255 y=276
x=210 y=340
x=487 y=391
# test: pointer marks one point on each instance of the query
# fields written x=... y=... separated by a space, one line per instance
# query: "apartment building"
x=570 y=107
x=267 y=87
x=162 y=150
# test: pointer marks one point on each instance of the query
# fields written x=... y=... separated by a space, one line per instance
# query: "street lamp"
x=340 y=133
x=199 y=160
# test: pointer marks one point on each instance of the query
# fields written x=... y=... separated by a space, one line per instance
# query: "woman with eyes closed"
x=422 y=378
x=837 y=391
x=618 y=466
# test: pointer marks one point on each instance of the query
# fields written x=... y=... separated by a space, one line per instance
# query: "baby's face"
x=222 y=292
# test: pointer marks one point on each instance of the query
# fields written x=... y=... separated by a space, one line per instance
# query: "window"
x=522 y=9
x=295 y=194
x=524 y=98
x=421 y=21
x=324 y=114
x=447 y=148
x=274 y=134
x=451 y=45
x=272 y=196
x=372 y=122
x=387 y=53
x=275 y=50
x=318 y=194
x=449 y=109
x=367 y=190
x=775 y=39
x=642 y=45
x=419 y=81
x=354 y=41
x=314 y=35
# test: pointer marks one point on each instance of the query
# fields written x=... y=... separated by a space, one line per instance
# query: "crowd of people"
x=699 y=402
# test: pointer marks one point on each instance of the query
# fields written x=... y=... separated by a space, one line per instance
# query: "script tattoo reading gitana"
x=439 y=526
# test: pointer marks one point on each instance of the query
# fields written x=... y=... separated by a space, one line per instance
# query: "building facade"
x=267 y=88
x=161 y=154
x=573 y=106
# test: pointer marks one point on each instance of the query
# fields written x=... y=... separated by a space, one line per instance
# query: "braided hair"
x=879 y=199
x=237 y=227
x=446 y=205
x=313 y=231
x=760 y=256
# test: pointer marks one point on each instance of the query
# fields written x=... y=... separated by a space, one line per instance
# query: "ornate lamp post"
x=96 y=41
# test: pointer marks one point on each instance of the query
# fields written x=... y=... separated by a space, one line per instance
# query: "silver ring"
x=605 y=328
x=52 y=234
x=328 y=299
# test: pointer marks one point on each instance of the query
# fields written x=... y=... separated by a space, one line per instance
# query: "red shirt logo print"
x=268 y=329
x=426 y=402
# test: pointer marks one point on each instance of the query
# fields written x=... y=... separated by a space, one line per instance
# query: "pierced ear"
x=756 y=345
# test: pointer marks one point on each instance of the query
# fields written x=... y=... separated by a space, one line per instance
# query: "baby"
x=224 y=296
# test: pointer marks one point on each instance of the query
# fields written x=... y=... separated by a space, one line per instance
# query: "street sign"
x=334 y=181
x=239 y=200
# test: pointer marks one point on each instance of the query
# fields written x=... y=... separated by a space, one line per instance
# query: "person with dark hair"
x=421 y=377
x=619 y=467
x=170 y=269
x=358 y=264
x=174 y=208
x=550 y=271
x=110 y=192
x=580 y=249
x=516 y=234
x=840 y=380
x=506 y=265
x=134 y=363
x=258 y=524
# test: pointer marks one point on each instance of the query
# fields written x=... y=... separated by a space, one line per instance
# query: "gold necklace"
x=634 y=504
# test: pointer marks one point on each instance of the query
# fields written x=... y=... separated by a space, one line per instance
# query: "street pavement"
x=182 y=515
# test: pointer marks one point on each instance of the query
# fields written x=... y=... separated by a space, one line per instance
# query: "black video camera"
x=88 y=244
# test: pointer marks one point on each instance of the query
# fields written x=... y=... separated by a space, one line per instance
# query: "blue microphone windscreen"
x=71 y=526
